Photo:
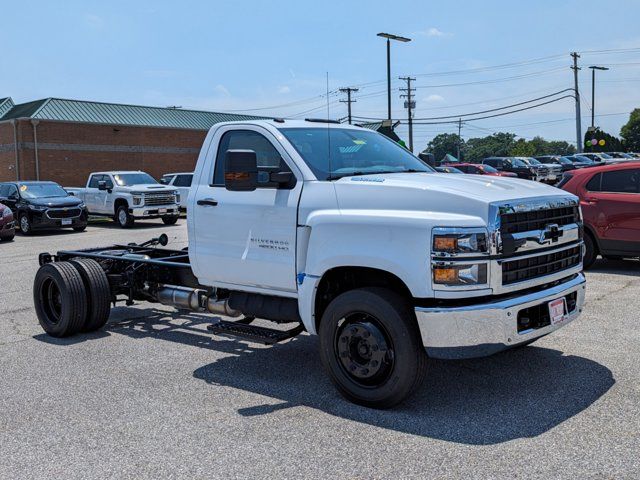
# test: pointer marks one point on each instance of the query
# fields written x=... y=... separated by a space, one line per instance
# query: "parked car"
x=580 y=161
x=127 y=196
x=548 y=172
x=621 y=155
x=7 y=224
x=479 y=169
x=43 y=206
x=182 y=183
x=564 y=163
x=597 y=157
x=513 y=165
x=448 y=169
x=610 y=200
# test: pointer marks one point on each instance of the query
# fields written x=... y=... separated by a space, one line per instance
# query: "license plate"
x=552 y=177
x=162 y=210
x=557 y=310
x=66 y=221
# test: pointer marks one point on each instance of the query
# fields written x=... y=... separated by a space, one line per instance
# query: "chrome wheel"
x=122 y=217
x=25 y=226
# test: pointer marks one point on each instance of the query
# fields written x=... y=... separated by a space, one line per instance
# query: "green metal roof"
x=6 y=104
x=371 y=125
x=119 y=114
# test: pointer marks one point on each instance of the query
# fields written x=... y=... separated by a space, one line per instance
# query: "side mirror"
x=240 y=170
x=164 y=181
x=102 y=185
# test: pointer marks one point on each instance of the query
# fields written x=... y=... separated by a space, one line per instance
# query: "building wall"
x=7 y=153
x=68 y=152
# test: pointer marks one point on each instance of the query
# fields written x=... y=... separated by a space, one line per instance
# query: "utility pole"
x=348 y=101
x=409 y=104
x=593 y=93
x=459 y=137
x=575 y=69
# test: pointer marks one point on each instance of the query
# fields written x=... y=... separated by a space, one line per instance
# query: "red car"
x=480 y=169
x=610 y=202
x=7 y=225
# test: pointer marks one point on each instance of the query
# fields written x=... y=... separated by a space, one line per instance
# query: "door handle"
x=591 y=200
x=207 y=202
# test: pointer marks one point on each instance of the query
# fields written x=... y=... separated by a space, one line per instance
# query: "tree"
x=445 y=143
x=522 y=148
x=498 y=144
x=631 y=131
x=604 y=141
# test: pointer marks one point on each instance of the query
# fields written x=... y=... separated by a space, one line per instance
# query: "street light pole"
x=390 y=37
x=593 y=93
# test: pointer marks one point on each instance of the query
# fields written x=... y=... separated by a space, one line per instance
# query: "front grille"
x=520 y=270
x=538 y=219
x=537 y=316
x=57 y=213
x=151 y=199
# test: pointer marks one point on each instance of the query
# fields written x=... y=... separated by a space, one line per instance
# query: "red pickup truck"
x=610 y=201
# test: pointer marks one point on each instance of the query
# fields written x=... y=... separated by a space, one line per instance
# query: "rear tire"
x=98 y=291
x=123 y=217
x=170 y=220
x=591 y=251
x=371 y=347
x=60 y=299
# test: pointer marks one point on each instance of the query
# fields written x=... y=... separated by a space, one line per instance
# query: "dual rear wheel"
x=71 y=297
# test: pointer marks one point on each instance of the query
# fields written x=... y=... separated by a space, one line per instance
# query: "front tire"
x=123 y=217
x=170 y=220
x=371 y=347
x=60 y=299
x=25 y=224
x=80 y=228
x=591 y=251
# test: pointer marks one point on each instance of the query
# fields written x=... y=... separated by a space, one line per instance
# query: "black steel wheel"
x=371 y=347
x=98 y=291
x=59 y=297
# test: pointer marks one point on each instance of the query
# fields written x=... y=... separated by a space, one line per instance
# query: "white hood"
x=463 y=194
x=150 y=187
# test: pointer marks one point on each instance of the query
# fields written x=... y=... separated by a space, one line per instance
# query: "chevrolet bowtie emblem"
x=551 y=232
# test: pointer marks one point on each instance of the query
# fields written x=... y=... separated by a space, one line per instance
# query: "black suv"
x=564 y=162
x=42 y=206
x=515 y=165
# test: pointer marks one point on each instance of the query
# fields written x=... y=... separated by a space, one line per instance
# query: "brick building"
x=65 y=140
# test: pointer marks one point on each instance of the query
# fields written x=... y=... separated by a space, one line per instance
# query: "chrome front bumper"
x=153 y=211
x=484 y=329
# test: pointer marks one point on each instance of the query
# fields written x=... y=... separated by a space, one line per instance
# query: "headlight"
x=458 y=275
x=82 y=206
x=456 y=241
x=6 y=213
x=177 y=197
x=137 y=199
x=38 y=208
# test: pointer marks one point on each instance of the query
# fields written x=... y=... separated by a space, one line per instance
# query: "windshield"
x=532 y=161
x=489 y=169
x=128 y=179
x=581 y=159
x=42 y=190
x=333 y=153
x=516 y=162
x=606 y=156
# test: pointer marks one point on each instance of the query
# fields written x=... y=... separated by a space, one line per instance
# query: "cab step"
x=266 y=336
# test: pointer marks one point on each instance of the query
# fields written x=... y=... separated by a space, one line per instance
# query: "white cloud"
x=222 y=90
x=93 y=20
x=284 y=89
x=433 y=32
x=433 y=98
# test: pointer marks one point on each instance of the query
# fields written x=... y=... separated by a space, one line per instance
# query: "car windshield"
x=42 y=190
x=581 y=159
x=516 y=162
x=128 y=179
x=605 y=156
x=333 y=153
x=489 y=169
x=564 y=160
x=532 y=161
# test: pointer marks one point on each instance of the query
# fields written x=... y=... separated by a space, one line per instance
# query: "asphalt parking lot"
x=155 y=396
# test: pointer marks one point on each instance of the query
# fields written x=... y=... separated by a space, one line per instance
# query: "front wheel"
x=371 y=347
x=25 y=224
x=123 y=217
x=80 y=228
x=591 y=251
x=170 y=220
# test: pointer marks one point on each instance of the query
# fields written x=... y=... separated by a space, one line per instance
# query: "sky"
x=274 y=58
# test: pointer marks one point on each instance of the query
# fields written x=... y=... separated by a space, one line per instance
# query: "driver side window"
x=268 y=158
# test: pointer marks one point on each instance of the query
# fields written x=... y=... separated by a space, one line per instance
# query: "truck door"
x=246 y=238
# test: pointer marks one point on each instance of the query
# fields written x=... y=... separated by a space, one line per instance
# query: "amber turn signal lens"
x=445 y=275
x=445 y=244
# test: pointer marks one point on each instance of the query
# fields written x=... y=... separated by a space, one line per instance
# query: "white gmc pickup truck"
x=340 y=232
x=127 y=196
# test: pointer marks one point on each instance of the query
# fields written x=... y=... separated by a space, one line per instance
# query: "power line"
x=348 y=101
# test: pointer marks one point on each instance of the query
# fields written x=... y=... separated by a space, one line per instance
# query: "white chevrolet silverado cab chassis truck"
x=337 y=231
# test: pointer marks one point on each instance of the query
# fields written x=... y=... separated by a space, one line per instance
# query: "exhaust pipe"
x=195 y=300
